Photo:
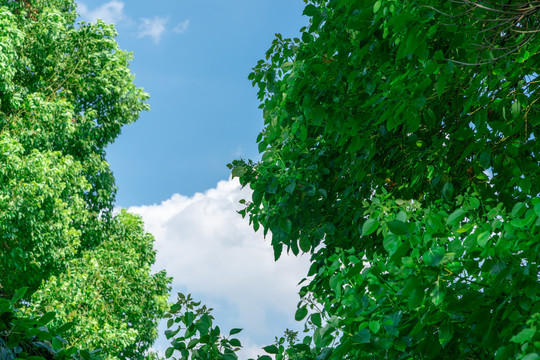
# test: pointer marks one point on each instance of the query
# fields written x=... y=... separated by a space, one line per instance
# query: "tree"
x=401 y=150
x=65 y=92
x=109 y=294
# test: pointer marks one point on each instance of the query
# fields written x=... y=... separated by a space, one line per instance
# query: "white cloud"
x=154 y=28
x=111 y=12
x=182 y=27
x=212 y=251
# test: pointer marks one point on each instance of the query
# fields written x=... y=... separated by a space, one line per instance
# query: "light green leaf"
x=523 y=336
x=483 y=238
x=369 y=227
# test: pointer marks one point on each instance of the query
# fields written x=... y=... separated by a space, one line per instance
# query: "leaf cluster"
x=400 y=149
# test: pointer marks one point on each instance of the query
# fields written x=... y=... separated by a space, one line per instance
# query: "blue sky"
x=193 y=58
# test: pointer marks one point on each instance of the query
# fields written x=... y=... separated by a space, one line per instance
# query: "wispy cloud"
x=182 y=27
x=154 y=28
x=212 y=251
x=111 y=12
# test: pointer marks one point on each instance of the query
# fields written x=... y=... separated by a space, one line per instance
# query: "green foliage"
x=109 y=293
x=401 y=150
x=65 y=92
x=33 y=338
x=193 y=336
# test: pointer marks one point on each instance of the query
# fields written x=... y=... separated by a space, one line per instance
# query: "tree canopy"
x=401 y=150
x=70 y=268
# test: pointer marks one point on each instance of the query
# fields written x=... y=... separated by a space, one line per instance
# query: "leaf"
x=398 y=227
x=374 y=326
x=446 y=331
x=169 y=352
x=18 y=295
x=391 y=243
x=235 y=342
x=516 y=108
x=65 y=327
x=271 y=349
x=376 y=6
x=484 y=158
x=448 y=190
x=518 y=210
x=523 y=336
x=362 y=337
x=369 y=227
x=234 y=331
x=456 y=217
x=483 y=238
x=310 y=10
x=316 y=319
x=305 y=244
x=433 y=257
x=300 y=313
x=46 y=318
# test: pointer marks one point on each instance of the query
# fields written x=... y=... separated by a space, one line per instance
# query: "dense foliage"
x=65 y=93
x=109 y=293
x=401 y=150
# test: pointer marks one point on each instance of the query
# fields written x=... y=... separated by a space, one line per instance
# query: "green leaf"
x=398 y=227
x=516 y=108
x=65 y=327
x=518 y=210
x=448 y=190
x=483 y=238
x=446 y=331
x=234 y=331
x=376 y=6
x=271 y=349
x=305 y=244
x=362 y=337
x=391 y=243
x=235 y=342
x=47 y=317
x=169 y=352
x=531 y=356
x=523 y=336
x=300 y=313
x=484 y=158
x=456 y=217
x=433 y=257
x=316 y=319
x=374 y=326
x=369 y=227
x=18 y=295
x=310 y=10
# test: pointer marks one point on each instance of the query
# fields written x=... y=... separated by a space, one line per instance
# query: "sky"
x=193 y=58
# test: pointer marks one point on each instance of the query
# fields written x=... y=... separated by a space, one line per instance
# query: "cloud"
x=182 y=27
x=111 y=12
x=154 y=28
x=211 y=251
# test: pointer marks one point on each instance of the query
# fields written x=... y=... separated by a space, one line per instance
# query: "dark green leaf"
x=271 y=349
x=398 y=227
x=300 y=313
